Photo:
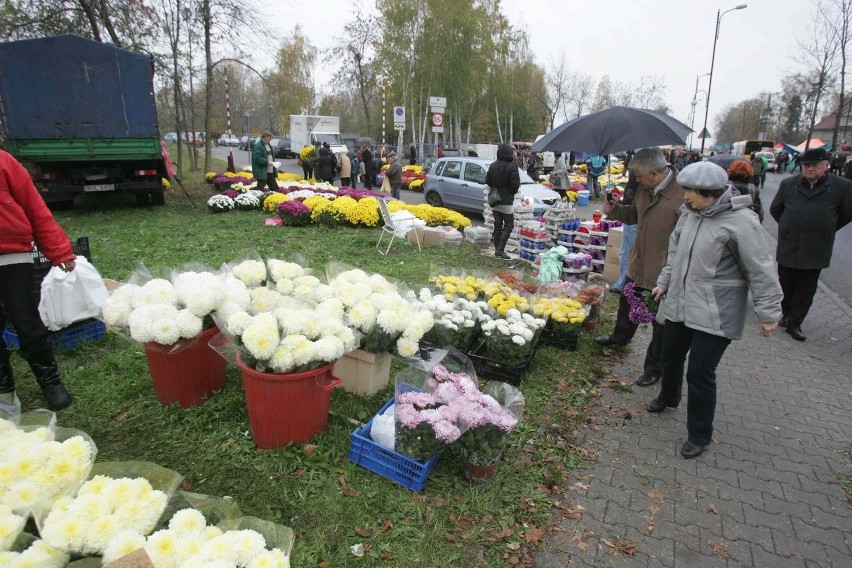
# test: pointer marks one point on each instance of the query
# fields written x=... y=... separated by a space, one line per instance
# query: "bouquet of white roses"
x=511 y=339
x=456 y=321
x=374 y=307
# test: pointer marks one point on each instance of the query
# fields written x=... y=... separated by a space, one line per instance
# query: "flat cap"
x=815 y=155
x=702 y=175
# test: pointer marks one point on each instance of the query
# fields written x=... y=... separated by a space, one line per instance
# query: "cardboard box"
x=428 y=236
x=613 y=255
x=615 y=236
x=611 y=272
x=362 y=372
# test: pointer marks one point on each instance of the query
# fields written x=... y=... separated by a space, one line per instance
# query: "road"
x=839 y=275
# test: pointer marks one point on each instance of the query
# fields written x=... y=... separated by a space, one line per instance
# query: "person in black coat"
x=325 y=165
x=369 y=172
x=412 y=155
x=503 y=176
x=810 y=208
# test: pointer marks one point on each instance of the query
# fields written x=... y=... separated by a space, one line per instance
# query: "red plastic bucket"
x=286 y=408
x=188 y=371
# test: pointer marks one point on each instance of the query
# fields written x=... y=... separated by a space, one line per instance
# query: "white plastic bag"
x=383 y=429
x=68 y=297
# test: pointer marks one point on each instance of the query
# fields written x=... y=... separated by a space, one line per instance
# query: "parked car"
x=229 y=140
x=170 y=137
x=769 y=158
x=281 y=148
x=451 y=152
x=459 y=183
x=247 y=142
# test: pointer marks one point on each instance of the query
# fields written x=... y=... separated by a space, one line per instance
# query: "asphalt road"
x=839 y=275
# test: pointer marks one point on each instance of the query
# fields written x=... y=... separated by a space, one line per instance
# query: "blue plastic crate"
x=402 y=469
x=65 y=338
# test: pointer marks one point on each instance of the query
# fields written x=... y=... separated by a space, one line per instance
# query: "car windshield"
x=333 y=139
x=275 y=142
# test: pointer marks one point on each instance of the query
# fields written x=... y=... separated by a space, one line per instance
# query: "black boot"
x=46 y=373
x=500 y=245
x=7 y=380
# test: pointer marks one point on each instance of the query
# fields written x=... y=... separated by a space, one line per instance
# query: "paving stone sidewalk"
x=765 y=494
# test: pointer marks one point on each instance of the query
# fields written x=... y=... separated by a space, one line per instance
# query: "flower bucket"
x=286 y=408
x=480 y=473
x=362 y=372
x=186 y=372
x=583 y=197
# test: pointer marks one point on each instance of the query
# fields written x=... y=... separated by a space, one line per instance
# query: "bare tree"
x=837 y=15
x=557 y=82
x=579 y=94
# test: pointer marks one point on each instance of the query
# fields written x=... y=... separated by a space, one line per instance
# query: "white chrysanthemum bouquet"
x=36 y=469
x=166 y=311
x=38 y=555
x=103 y=508
x=456 y=321
x=291 y=339
x=511 y=339
x=189 y=542
x=374 y=307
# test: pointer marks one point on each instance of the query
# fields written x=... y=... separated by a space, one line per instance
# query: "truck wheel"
x=434 y=199
x=158 y=198
x=143 y=199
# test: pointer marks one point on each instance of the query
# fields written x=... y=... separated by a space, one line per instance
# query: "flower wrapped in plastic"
x=120 y=497
x=491 y=416
x=592 y=295
x=374 y=307
x=189 y=540
x=456 y=321
x=251 y=270
x=40 y=465
x=564 y=316
x=29 y=551
x=511 y=339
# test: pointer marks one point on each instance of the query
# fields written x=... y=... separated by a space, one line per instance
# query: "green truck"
x=81 y=116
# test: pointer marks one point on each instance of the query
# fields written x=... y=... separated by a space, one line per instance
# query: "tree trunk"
x=208 y=90
x=89 y=12
x=497 y=120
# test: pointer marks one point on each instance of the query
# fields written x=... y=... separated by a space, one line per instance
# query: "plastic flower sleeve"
x=120 y=497
x=28 y=550
x=10 y=405
x=493 y=416
x=275 y=535
x=215 y=509
x=250 y=269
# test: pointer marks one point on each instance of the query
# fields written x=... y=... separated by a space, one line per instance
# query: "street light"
x=693 y=103
x=719 y=15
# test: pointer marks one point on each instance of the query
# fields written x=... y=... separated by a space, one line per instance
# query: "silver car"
x=459 y=182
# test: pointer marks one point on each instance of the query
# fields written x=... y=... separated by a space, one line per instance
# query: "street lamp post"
x=694 y=102
x=719 y=15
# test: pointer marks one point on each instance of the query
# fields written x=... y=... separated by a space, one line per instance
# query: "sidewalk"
x=765 y=493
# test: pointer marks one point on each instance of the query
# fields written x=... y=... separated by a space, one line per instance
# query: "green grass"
x=452 y=523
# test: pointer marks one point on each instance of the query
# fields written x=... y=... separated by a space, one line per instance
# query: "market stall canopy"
x=815 y=143
x=616 y=129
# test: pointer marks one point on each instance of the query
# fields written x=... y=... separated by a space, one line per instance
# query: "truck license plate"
x=101 y=187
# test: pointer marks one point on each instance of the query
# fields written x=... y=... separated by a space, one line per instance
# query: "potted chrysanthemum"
x=510 y=340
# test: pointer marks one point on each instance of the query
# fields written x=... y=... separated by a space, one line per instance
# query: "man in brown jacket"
x=655 y=209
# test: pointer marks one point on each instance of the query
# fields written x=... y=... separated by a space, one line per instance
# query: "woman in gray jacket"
x=717 y=253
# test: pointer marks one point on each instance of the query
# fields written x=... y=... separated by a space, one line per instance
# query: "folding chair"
x=396 y=227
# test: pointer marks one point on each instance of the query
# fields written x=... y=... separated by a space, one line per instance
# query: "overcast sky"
x=626 y=38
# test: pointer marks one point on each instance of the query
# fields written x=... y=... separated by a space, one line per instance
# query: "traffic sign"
x=705 y=134
x=437 y=120
x=438 y=102
x=398 y=115
x=438 y=129
x=397 y=126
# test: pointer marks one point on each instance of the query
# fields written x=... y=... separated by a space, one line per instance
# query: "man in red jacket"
x=24 y=219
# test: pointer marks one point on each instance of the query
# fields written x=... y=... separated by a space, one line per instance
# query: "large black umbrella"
x=616 y=129
x=725 y=160
x=365 y=141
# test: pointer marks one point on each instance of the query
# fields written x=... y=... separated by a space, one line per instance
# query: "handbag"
x=386 y=186
x=554 y=178
x=494 y=197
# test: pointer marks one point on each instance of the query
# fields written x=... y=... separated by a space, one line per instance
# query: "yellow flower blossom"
x=271 y=202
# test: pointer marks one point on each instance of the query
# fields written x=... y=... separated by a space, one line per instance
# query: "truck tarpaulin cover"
x=97 y=90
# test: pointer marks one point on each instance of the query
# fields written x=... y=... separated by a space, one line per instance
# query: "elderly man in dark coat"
x=810 y=208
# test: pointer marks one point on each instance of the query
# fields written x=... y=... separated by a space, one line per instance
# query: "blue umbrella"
x=616 y=129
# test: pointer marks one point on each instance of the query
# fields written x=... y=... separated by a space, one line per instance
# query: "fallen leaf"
x=122 y=416
x=386 y=556
x=386 y=526
x=720 y=549
x=712 y=508
x=582 y=486
x=514 y=560
x=625 y=546
x=655 y=510
x=299 y=473
x=656 y=495
x=415 y=496
x=514 y=546
x=650 y=528
x=362 y=532
x=324 y=564
x=438 y=501
x=535 y=535
x=186 y=485
x=347 y=491
x=309 y=449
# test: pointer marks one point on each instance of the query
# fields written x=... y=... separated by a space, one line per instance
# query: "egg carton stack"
x=533 y=241
x=556 y=216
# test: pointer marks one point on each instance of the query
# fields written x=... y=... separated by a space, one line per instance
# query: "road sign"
x=437 y=120
x=438 y=129
x=705 y=134
x=398 y=126
x=438 y=102
x=398 y=116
